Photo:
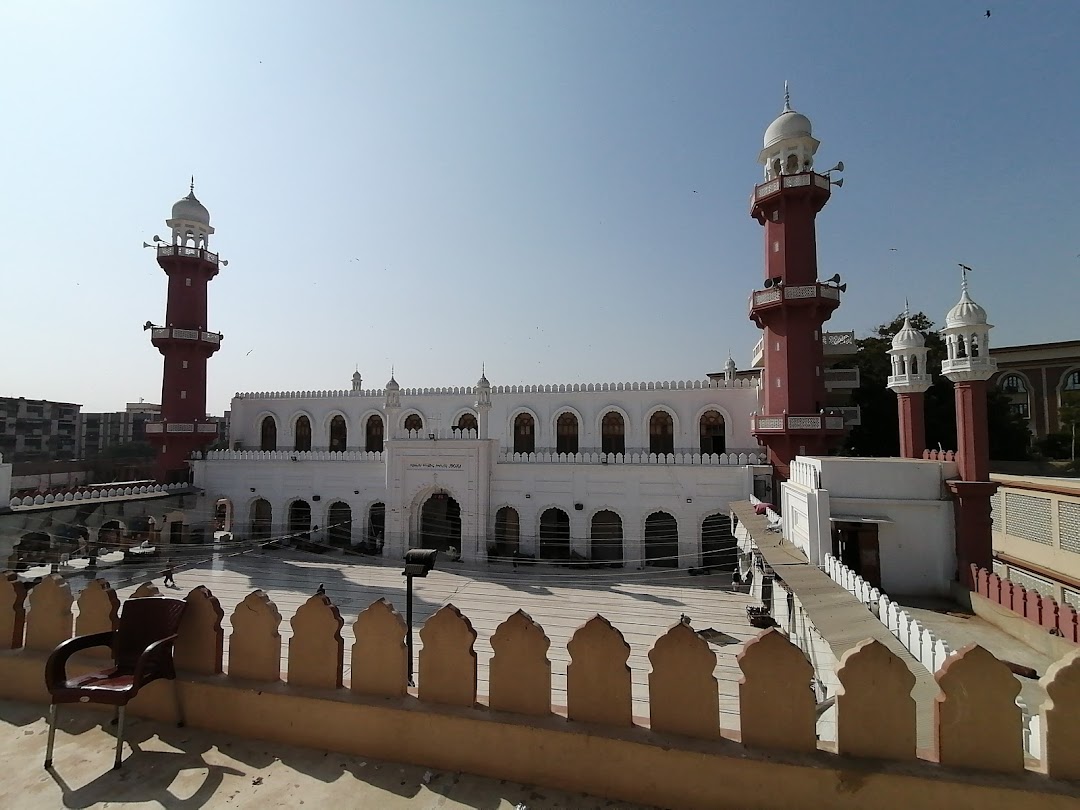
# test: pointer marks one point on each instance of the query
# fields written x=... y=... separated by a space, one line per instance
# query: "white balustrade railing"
x=92 y=494
x=291 y=455
x=706 y=459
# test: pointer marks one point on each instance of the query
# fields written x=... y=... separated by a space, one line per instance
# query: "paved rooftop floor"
x=641 y=604
x=187 y=768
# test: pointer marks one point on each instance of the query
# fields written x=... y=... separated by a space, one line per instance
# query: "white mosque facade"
x=615 y=473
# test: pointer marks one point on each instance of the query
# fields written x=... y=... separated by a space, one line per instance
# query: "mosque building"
x=613 y=473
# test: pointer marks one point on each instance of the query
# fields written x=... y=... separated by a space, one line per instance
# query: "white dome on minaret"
x=908 y=337
x=907 y=359
x=191 y=209
x=789 y=144
x=190 y=221
x=966 y=312
x=967 y=339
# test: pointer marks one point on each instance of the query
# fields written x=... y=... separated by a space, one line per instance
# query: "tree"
x=1069 y=417
x=879 y=433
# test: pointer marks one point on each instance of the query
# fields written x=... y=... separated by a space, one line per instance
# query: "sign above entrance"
x=435 y=465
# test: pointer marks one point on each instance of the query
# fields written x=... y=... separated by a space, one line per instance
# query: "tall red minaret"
x=793 y=304
x=910 y=379
x=185 y=340
x=969 y=366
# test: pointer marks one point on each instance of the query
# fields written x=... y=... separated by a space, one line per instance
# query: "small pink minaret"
x=910 y=379
x=969 y=366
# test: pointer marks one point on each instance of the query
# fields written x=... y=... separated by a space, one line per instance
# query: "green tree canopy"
x=879 y=433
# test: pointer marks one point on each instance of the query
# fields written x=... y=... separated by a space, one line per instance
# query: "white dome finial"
x=787 y=97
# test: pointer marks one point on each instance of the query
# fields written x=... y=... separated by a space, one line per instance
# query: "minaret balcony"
x=817 y=185
x=202 y=428
x=189 y=252
x=909 y=383
x=969 y=369
x=797 y=423
x=821 y=295
x=164 y=337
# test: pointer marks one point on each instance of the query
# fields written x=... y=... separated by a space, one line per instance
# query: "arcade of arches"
x=711 y=430
x=439 y=527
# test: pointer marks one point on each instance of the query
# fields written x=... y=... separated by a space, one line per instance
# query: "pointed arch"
x=261 y=515
x=712 y=432
x=612 y=427
x=606 y=538
x=661 y=540
x=567 y=428
x=554 y=534
x=507 y=531
x=301 y=425
x=268 y=433
x=373 y=433
x=660 y=427
x=523 y=425
x=338 y=434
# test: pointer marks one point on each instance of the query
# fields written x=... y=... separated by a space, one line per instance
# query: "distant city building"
x=1035 y=378
x=101 y=430
x=34 y=429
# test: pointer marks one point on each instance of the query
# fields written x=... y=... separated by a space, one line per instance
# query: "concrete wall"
x=1037 y=529
x=678 y=757
x=917 y=536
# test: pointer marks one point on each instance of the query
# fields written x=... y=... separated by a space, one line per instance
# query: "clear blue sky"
x=441 y=184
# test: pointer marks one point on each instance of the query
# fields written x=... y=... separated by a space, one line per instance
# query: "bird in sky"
x=892 y=248
x=988 y=14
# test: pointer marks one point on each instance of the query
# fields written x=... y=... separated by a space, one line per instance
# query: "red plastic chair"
x=142 y=647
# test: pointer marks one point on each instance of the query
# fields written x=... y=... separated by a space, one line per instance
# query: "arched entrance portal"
x=339 y=524
x=554 y=535
x=719 y=548
x=606 y=545
x=299 y=520
x=661 y=540
x=223 y=515
x=440 y=523
x=376 y=527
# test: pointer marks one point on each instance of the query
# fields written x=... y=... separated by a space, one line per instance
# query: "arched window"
x=1072 y=381
x=712 y=433
x=914 y=365
x=661 y=540
x=339 y=524
x=792 y=165
x=612 y=433
x=1013 y=384
x=1015 y=390
x=268 y=434
x=414 y=422
x=776 y=166
x=339 y=434
x=373 y=434
x=507 y=531
x=303 y=435
x=566 y=433
x=467 y=421
x=524 y=433
x=554 y=535
x=262 y=518
x=606 y=538
x=661 y=433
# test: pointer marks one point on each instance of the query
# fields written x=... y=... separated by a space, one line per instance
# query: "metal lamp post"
x=418 y=561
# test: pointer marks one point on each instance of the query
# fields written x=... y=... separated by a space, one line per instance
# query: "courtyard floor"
x=641 y=604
